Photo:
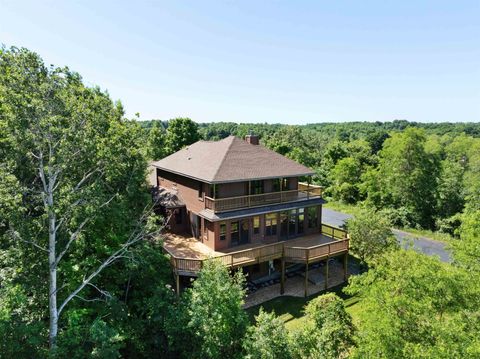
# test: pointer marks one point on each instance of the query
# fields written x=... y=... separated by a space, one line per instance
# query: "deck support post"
x=306 y=273
x=177 y=283
x=326 y=274
x=282 y=277
x=345 y=267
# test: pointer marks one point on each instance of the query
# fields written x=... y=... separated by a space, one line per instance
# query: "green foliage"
x=370 y=235
x=156 y=146
x=210 y=315
x=406 y=177
x=181 y=132
x=415 y=306
x=466 y=250
x=268 y=339
x=328 y=332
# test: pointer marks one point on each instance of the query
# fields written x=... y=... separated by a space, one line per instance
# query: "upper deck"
x=304 y=192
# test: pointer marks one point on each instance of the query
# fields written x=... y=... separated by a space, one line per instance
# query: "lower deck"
x=187 y=254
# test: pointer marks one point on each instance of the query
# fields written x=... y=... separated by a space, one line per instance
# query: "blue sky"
x=265 y=61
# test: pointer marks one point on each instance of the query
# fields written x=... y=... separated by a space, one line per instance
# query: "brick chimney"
x=252 y=139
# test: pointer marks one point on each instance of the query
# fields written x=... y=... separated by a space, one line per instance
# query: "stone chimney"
x=252 y=139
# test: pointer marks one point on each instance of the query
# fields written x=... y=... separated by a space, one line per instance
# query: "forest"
x=83 y=274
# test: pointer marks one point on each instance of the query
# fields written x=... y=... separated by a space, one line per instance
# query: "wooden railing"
x=191 y=266
x=304 y=191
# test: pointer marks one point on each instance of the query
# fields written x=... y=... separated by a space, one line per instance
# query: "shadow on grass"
x=292 y=308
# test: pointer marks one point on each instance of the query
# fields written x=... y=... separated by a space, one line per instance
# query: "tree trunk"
x=52 y=268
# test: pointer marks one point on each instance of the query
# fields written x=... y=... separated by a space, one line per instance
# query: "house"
x=247 y=205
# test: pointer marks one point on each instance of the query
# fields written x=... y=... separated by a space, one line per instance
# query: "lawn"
x=290 y=309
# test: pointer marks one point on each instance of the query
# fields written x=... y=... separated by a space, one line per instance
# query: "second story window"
x=285 y=184
x=256 y=187
x=256 y=225
x=200 y=190
x=223 y=231
x=213 y=190
x=271 y=224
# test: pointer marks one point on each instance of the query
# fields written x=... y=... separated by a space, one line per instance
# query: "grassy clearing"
x=290 y=309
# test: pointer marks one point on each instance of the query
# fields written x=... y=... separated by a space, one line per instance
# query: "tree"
x=156 y=141
x=181 y=132
x=328 y=332
x=406 y=177
x=345 y=178
x=466 y=250
x=81 y=171
x=370 y=235
x=267 y=339
x=211 y=316
x=414 y=306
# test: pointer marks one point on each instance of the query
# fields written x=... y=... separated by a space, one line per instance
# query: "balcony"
x=305 y=191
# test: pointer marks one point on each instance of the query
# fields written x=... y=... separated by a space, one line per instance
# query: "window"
x=234 y=234
x=223 y=231
x=256 y=225
x=285 y=184
x=301 y=219
x=276 y=185
x=312 y=217
x=256 y=187
x=205 y=229
x=200 y=190
x=271 y=224
x=213 y=190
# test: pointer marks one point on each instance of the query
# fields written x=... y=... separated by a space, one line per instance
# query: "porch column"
x=326 y=274
x=345 y=267
x=282 y=278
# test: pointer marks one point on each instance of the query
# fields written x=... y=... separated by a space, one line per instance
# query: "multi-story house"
x=245 y=204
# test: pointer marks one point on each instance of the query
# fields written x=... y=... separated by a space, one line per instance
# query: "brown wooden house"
x=243 y=203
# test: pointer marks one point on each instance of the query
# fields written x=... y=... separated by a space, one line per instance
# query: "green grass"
x=343 y=207
x=290 y=309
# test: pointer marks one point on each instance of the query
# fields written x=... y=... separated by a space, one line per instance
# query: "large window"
x=285 y=184
x=312 y=217
x=256 y=225
x=256 y=187
x=271 y=224
x=223 y=231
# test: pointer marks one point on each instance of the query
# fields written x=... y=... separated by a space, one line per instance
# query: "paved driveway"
x=424 y=245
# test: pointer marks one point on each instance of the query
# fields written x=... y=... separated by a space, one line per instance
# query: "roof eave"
x=232 y=181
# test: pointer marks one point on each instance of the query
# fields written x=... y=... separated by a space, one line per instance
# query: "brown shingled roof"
x=230 y=160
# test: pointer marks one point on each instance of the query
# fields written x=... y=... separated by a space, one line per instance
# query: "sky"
x=292 y=62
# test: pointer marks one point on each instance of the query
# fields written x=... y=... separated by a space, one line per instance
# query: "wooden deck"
x=187 y=253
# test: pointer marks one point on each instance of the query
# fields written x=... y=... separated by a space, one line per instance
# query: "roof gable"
x=230 y=160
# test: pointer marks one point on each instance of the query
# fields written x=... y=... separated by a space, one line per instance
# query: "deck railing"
x=191 y=266
x=304 y=191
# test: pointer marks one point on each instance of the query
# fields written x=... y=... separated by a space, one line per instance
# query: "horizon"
x=275 y=62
